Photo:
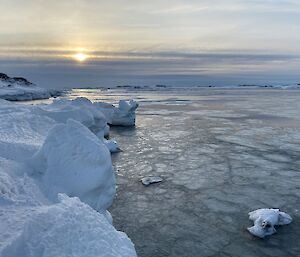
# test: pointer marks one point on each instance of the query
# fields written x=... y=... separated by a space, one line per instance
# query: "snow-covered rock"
x=123 y=115
x=69 y=228
x=20 y=89
x=74 y=161
x=265 y=220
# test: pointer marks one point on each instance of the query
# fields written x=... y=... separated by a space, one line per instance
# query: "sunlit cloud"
x=159 y=38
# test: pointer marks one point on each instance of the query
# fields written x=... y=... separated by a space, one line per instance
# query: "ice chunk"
x=265 y=220
x=74 y=161
x=80 y=109
x=150 y=180
x=124 y=115
x=112 y=145
x=69 y=228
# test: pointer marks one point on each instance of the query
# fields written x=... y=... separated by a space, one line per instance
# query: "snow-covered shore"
x=20 y=89
x=57 y=181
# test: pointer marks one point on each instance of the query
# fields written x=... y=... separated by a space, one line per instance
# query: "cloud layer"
x=159 y=38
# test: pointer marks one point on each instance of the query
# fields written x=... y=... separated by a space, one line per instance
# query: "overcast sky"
x=186 y=42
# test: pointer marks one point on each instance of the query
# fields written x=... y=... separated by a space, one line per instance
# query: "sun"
x=81 y=57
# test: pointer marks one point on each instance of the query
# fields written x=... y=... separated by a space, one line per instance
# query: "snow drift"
x=74 y=161
x=81 y=109
x=69 y=228
x=43 y=153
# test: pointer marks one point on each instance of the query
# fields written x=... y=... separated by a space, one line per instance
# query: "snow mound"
x=123 y=115
x=41 y=156
x=21 y=131
x=74 y=161
x=20 y=89
x=265 y=220
x=69 y=228
x=80 y=109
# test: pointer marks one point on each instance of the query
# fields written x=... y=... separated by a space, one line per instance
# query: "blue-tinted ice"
x=221 y=153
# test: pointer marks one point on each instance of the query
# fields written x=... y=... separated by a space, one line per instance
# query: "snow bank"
x=80 y=109
x=123 y=115
x=74 y=161
x=69 y=228
x=95 y=116
x=20 y=89
x=42 y=156
x=21 y=131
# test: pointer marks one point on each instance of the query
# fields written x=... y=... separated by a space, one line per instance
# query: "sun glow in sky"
x=160 y=41
x=80 y=57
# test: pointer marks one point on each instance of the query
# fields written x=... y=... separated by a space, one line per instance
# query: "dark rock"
x=22 y=80
x=3 y=76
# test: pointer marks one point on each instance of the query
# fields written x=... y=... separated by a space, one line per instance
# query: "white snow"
x=265 y=220
x=74 y=161
x=95 y=116
x=19 y=89
x=43 y=153
x=69 y=228
x=80 y=109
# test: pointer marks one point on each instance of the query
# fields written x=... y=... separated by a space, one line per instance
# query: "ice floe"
x=123 y=115
x=146 y=181
x=265 y=221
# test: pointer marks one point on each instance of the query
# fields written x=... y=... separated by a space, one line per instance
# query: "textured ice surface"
x=222 y=153
x=69 y=228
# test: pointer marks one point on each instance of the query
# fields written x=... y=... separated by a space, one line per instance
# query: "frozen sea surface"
x=221 y=154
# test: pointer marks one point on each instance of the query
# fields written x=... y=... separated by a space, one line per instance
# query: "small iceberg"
x=123 y=115
x=150 y=180
x=265 y=220
x=112 y=145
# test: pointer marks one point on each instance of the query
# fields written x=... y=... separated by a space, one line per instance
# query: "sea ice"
x=41 y=156
x=124 y=115
x=69 y=228
x=150 y=180
x=265 y=220
x=74 y=161
x=80 y=109
x=112 y=145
